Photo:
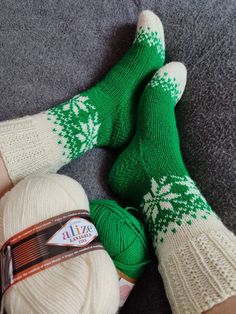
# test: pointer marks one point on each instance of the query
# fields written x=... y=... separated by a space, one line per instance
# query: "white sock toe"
x=149 y=20
x=177 y=72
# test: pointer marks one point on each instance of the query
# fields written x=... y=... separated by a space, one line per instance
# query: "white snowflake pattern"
x=152 y=39
x=171 y=202
x=191 y=188
x=78 y=103
x=89 y=133
x=160 y=196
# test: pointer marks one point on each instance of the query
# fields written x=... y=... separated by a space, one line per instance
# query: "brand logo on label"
x=76 y=232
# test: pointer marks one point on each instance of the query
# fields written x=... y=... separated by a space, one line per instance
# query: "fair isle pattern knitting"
x=170 y=202
x=168 y=84
x=102 y=116
x=155 y=117
x=196 y=253
x=81 y=116
x=151 y=38
x=82 y=119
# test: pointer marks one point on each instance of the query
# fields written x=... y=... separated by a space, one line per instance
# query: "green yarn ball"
x=122 y=235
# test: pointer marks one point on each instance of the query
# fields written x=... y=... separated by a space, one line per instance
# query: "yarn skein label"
x=126 y=285
x=125 y=289
x=76 y=232
x=46 y=244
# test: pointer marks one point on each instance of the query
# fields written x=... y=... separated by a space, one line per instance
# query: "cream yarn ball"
x=86 y=284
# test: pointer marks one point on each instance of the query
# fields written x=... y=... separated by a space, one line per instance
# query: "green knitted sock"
x=152 y=164
x=154 y=151
x=104 y=115
x=196 y=252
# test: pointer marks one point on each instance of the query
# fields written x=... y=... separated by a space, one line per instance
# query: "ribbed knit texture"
x=199 y=271
x=104 y=115
x=197 y=254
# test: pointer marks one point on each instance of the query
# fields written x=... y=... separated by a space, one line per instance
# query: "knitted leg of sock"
x=196 y=252
x=104 y=115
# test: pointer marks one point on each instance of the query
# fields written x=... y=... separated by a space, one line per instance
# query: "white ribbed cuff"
x=200 y=272
x=29 y=146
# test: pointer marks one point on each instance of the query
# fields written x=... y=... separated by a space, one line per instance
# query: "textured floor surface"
x=50 y=50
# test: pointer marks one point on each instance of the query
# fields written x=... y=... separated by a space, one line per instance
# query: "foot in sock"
x=154 y=151
x=196 y=253
x=104 y=115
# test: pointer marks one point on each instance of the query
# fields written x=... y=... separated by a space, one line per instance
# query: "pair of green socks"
x=196 y=253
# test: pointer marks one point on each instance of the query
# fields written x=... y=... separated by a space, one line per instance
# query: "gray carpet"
x=51 y=49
